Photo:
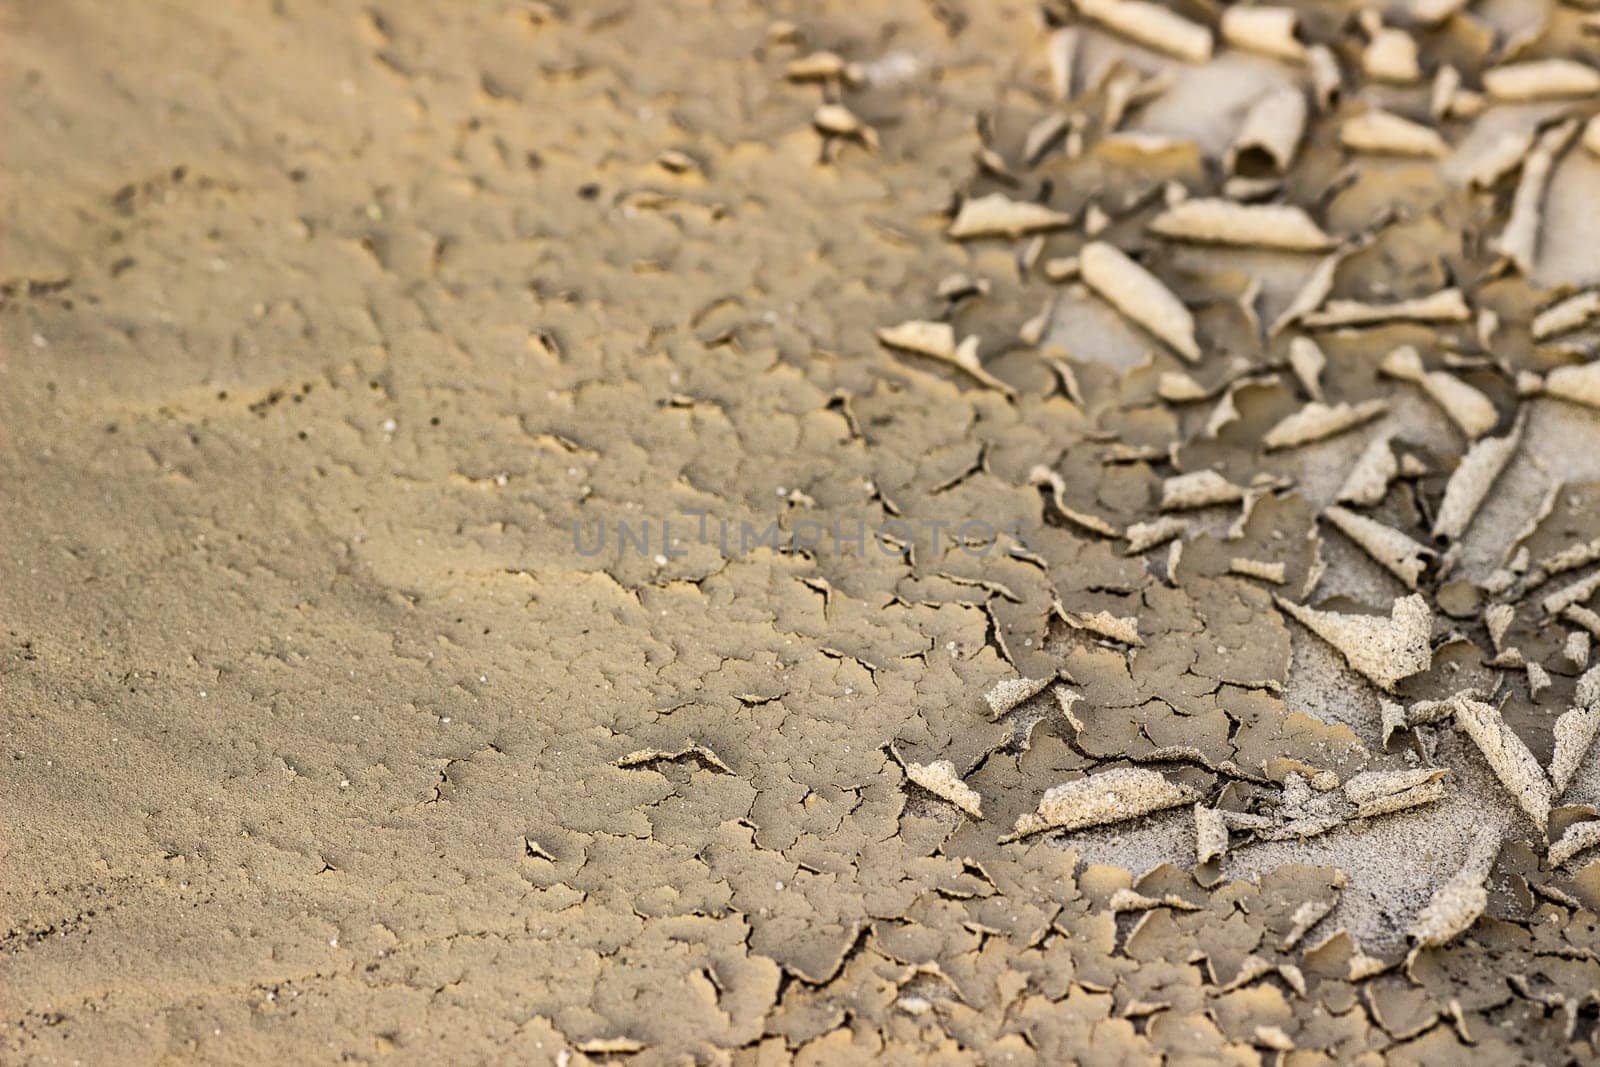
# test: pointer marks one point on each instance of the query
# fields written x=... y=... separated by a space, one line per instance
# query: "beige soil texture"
x=324 y=325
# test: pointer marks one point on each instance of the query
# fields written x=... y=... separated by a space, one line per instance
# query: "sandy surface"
x=477 y=588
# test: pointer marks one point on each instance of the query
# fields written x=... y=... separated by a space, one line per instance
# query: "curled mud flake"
x=1176 y=387
x=1391 y=56
x=1305 y=917
x=1467 y=488
x=818 y=66
x=1140 y=296
x=1117 y=628
x=1393 y=550
x=1575 y=732
x=1456 y=905
x=1541 y=79
x=935 y=339
x=1566 y=601
x=1579 y=384
x=997 y=215
x=1387 y=133
x=1442 y=95
x=1377 y=793
x=1467 y=408
x=1210 y=835
x=1538 y=679
x=1153 y=26
x=940 y=779
x=1433 y=12
x=1143 y=536
x=1268 y=30
x=1042 y=136
x=1198 y=489
x=1316 y=422
x=609 y=1046
x=1043 y=476
x=1497 y=620
x=1368 y=481
x=1066 y=700
x=1061 y=268
x=1576 y=649
x=1270 y=134
x=836 y=120
x=1311 y=295
x=1308 y=363
x=1327 y=83
x=700 y=753
x=1567 y=315
x=1133 y=900
x=1219 y=221
x=1503 y=155
x=1255 y=568
x=1591 y=135
x=1392 y=717
x=1061 y=50
x=1519 y=241
x=1381 y=649
x=1111 y=796
x=1508 y=757
x=1447 y=305
x=965 y=356
x=1580 y=837
x=1007 y=693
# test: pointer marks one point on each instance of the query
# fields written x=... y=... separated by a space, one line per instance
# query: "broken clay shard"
x=1315 y=422
x=1447 y=305
x=1377 y=793
x=1382 y=649
x=1508 y=757
x=1467 y=488
x=1152 y=25
x=1541 y=79
x=1112 y=796
x=940 y=779
x=1368 y=481
x=1270 y=134
x=997 y=215
x=1456 y=905
x=1258 y=225
x=1007 y=693
x=1393 y=550
x=1312 y=294
x=1139 y=295
x=1386 y=133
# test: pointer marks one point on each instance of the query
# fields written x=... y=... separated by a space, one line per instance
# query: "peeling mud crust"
x=972 y=533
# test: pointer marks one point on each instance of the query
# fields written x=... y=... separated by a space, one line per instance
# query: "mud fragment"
x=1225 y=222
x=1111 y=796
x=1140 y=296
x=1382 y=649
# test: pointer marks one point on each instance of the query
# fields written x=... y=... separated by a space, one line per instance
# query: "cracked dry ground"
x=1258 y=734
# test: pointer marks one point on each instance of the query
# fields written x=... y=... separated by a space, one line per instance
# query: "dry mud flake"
x=1384 y=649
x=1110 y=796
